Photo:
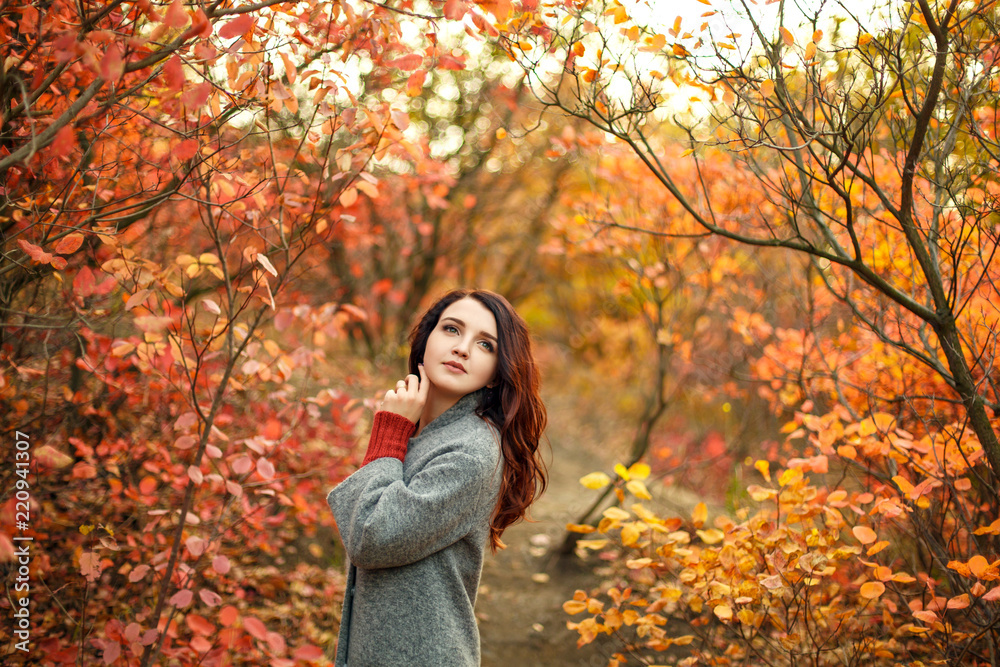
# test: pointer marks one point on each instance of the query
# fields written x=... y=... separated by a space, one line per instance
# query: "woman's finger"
x=425 y=385
x=412 y=383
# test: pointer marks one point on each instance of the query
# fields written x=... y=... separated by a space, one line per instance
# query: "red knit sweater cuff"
x=390 y=436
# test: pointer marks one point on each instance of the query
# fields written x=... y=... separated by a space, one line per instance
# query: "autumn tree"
x=871 y=138
x=170 y=172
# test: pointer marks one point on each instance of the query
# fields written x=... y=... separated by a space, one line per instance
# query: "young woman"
x=452 y=461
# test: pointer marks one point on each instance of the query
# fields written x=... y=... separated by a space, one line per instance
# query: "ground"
x=522 y=623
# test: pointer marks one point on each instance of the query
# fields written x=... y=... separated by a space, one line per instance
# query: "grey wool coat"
x=415 y=533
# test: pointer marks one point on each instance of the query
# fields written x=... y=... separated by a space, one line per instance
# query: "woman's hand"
x=408 y=398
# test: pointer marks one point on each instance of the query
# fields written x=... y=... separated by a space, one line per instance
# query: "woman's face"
x=461 y=353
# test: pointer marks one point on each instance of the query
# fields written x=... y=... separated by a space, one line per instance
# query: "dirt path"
x=522 y=623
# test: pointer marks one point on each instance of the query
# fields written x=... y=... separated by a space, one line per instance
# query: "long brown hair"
x=511 y=403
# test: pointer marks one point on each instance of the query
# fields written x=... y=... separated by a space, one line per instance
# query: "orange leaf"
x=786 y=36
x=872 y=590
x=415 y=84
x=724 y=612
x=864 y=534
x=959 y=601
x=978 y=566
x=767 y=88
x=699 y=515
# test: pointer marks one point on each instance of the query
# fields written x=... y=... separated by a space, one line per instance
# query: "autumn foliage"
x=772 y=238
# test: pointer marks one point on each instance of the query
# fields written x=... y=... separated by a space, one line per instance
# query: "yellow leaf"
x=872 y=590
x=687 y=152
x=591 y=544
x=699 y=515
x=724 y=612
x=711 y=536
x=638 y=489
x=573 y=607
x=622 y=472
x=630 y=534
x=789 y=476
x=617 y=514
x=763 y=467
x=207 y=258
x=639 y=471
x=595 y=480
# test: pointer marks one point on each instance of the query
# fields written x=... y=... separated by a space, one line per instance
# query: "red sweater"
x=390 y=436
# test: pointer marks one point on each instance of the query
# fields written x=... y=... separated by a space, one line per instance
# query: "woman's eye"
x=450 y=329
x=488 y=346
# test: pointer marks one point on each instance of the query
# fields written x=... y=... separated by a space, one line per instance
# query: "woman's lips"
x=455 y=365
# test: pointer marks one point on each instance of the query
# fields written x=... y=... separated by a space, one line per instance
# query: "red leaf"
x=176 y=16
x=200 y=25
x=308 y=653
x=200 y=644
x=242 y=465
x=64 y=142
x=211 y=598
x=112 y=651
x=173 y=73
x=7 y=552
x=450 y=62
x=992 y=595
x=186 y=150
x=409 y=62
x=34 y=252
x=199 y=624
x=238 y=26
x=194 y=97
x=220 y=564
x=181 y=598
x=255 y=627
x=69 y=244
x=400 y=118
x=265 y=468
x=195 y=545
x=455 y=9
x=228 y=615
x=112 y=65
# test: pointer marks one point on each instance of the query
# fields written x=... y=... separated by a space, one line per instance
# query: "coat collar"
x=465 y=406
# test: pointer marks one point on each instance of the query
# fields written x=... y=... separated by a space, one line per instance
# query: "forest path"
x=521 y=621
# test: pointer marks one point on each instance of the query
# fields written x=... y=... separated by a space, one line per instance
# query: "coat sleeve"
x=385 y=522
